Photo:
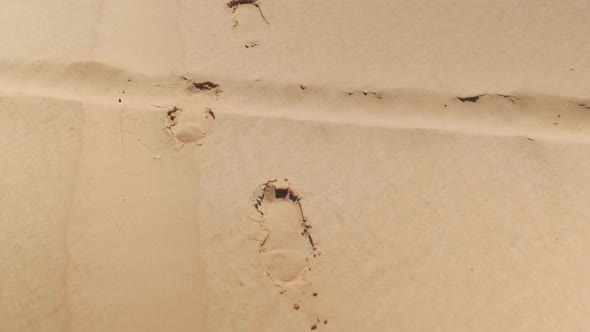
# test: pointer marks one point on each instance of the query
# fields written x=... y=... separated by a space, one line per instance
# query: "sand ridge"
x=531 y=115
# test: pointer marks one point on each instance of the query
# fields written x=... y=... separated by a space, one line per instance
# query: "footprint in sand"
x=189 y=127
x=288 y=246
x=250 y=24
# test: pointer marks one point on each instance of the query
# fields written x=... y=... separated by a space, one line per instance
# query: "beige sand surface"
x=297 y=165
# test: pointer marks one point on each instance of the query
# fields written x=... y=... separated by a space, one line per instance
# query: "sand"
x=294 y=166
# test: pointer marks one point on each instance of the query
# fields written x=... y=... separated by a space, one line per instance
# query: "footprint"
x=288 y=247
x=189 y=128
x=250 y=24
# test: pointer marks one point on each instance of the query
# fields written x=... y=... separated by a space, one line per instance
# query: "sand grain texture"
x=294 y=166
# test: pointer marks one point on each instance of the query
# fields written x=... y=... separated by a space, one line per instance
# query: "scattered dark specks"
x=555 y=123
x=512 y=99
x=251 y=44
x=314 y=326
x=296 y=306
x=119 y=99
x=210 y=112
x=350 y=93
x=559 y=115
x=302 y=87
x=325 y=322
x=315 y=294
x=445 y=105
x=572 y=69
x=530 y=139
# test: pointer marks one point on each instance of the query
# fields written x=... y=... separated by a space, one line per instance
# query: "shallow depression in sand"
x=189 y=132
x=284 y=264
x=285 y=250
